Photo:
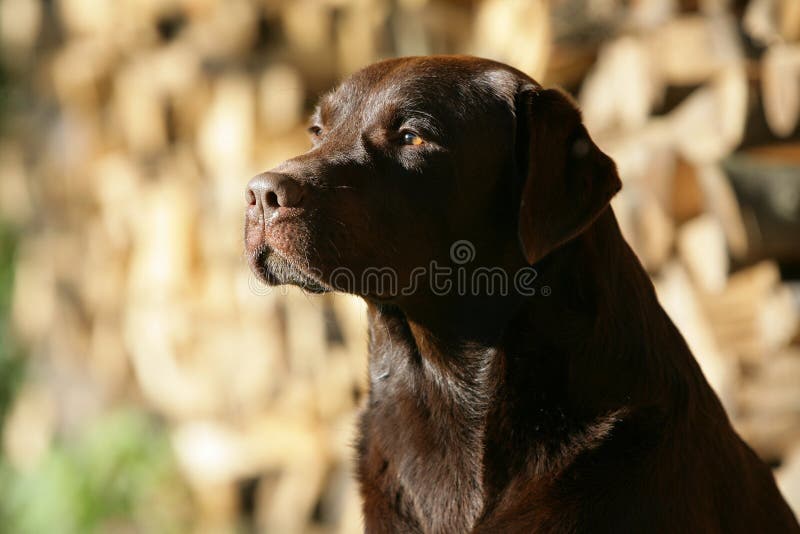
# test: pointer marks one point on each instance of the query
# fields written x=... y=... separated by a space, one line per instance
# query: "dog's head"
x=412 y=155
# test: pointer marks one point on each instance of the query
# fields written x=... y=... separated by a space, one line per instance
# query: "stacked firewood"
x=137 y=124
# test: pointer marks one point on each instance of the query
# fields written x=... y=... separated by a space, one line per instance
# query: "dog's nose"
x=270 y=191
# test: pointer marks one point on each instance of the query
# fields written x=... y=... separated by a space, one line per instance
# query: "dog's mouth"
x=274 y=269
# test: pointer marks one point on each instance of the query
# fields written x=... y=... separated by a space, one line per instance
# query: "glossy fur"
x=581 y=411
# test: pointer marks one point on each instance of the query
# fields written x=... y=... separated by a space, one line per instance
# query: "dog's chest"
x=428 y=426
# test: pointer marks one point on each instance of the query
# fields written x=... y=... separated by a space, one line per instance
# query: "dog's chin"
x=275 y=270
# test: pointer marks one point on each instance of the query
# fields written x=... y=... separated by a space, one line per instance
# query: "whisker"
x=333 y=244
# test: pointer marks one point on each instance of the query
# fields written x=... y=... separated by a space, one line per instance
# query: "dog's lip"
x=307 y=281
x=261 y=235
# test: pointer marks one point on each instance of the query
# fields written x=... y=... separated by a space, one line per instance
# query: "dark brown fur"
x=581 y=411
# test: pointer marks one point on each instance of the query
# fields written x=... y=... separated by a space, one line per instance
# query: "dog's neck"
x=598 y=304
x=571 y=364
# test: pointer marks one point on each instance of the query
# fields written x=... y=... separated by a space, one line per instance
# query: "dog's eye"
x=410 y=138
x=315 y=131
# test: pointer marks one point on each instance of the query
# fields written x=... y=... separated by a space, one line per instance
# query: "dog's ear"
x=568 y=181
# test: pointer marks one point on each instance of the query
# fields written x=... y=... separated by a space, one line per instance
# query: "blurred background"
x=149 y=384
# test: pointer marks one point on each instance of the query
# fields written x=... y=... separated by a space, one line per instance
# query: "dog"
x=571 y=406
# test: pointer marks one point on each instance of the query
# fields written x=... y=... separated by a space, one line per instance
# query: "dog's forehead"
x=455 y=83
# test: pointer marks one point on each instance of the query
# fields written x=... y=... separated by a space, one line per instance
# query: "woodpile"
x=139 y=123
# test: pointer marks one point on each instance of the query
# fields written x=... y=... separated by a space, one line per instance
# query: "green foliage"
x=11 y=364
x=116 y=476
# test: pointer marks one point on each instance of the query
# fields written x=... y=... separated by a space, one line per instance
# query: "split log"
x=686 y=197
x=223 y=30
x=622 y=88
x=226 y=136
x=755 y=314
x=517 y=33
x=780 y=86
x=715 y=115
x=84 y=17
x=760 y=21
x=701 y=245
x=20 y=24
x=15 y=191
x=281 y=95
x=78 y=69
x=34 y=299
x=721 y=202
x=358 y=30
x=790 y=20
x=645 y=225
x=140 y=110
x=29 y=427
x=691 y=49
x=305 y=333
x=772 y=437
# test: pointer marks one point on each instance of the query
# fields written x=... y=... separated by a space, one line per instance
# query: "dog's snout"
x=270 y=191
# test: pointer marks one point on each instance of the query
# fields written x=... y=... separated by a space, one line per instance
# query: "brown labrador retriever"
x=568 y=405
